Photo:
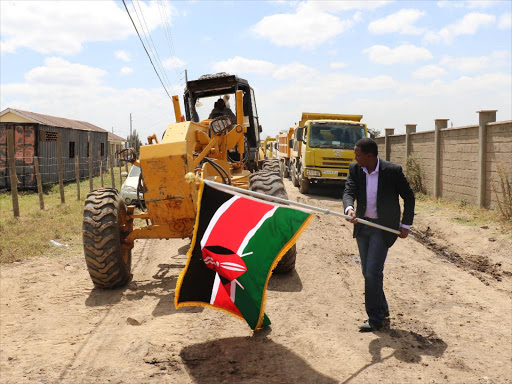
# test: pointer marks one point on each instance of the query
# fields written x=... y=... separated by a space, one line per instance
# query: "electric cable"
x=150 y=42
x=138 y=34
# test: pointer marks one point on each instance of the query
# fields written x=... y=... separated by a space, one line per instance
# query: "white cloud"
x=60 y=72
x=477 y=64
x=468 y=25
x=505 y=21
x=173 y=62
x=401 y=22
x=429 y=72
x=79 y=92
x=405 y=53
x=471 y=4
x=39 y=25
x=122 y=55
x=242 y=65
x=293 y=70
x=126 y=71
x=348 y=5
x=308 y=27
x=337 y=65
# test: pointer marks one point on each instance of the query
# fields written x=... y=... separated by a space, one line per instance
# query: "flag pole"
x=263 y=196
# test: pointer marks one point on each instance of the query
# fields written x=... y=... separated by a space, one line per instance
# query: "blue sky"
x=394 y=62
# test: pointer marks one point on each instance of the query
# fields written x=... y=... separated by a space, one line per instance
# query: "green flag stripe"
x=274 y=234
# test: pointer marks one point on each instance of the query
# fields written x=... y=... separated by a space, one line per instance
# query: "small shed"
x=36 y=134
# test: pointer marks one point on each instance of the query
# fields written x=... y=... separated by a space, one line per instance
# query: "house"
x=36 y=134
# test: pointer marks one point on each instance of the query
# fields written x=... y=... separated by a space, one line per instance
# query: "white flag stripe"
x=251 y=233
x=215 y=288
x=223 y=208
x=232 y=292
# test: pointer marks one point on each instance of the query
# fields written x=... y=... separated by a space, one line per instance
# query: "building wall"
x=32 y=140
x=422 y=146
x=458 y=153
x=499 y=153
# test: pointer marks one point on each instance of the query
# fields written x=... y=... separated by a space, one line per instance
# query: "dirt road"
x=449 y=290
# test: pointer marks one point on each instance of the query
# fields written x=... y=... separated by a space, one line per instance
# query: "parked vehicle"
x=324 y=148
x=129 y=187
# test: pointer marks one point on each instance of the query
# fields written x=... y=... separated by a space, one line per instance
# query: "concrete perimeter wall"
x=460 y=163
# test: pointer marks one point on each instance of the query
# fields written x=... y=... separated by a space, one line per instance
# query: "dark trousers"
x=373 y=252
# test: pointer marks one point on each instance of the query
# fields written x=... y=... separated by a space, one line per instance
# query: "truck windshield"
x=334 y=135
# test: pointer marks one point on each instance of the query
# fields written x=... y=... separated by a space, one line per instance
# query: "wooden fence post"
x=39 y=185
x=12 y=172
x=91 y=185
x=59 y=165
x=120 y=176
x=101 y=168
x=112 y=172
x=77 y=177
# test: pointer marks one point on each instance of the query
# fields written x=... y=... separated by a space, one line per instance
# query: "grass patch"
x=462 y=213
x=29 y=235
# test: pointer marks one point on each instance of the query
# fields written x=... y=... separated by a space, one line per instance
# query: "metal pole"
x=12 y=171
x=296 y=203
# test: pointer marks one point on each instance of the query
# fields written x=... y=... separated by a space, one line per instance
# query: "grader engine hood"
x=170 y=200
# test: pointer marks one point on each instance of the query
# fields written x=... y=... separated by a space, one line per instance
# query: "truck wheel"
x=295 y=181
x=286 y=172
x=304 y=185
x=271 y=184
x=104 y=229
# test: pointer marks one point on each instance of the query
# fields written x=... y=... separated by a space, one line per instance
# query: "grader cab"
x=218 y=149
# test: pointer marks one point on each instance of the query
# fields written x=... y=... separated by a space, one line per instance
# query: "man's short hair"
x=368 y=145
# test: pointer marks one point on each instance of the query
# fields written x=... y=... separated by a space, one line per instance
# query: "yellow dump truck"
x=284 y=150
x=324 y=148
x=269 y=147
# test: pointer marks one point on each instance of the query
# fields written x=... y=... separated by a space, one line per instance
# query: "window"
x=71 y=149
x=48 y=136
x=87 y=149
x=102 y=149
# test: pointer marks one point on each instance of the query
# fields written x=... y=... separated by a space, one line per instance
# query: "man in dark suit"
x=376 y=184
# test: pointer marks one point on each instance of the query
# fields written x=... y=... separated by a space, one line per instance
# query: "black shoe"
x=370 y=326
x=386 y=314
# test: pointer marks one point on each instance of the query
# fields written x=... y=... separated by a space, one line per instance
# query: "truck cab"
x=324 y=148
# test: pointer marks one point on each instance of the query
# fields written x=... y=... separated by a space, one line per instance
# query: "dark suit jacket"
x=392 y=183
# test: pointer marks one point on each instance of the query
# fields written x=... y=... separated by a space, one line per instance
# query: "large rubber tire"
x=271 y=184
x=286 y=171
x=295 y=181
x=104 y=211
x=303 y=185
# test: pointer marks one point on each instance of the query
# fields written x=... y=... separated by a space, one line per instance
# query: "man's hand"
x=352 y=214
x=403 y=233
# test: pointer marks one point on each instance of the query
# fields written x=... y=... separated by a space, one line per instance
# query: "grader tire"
x=104 y=212
x=270 y=183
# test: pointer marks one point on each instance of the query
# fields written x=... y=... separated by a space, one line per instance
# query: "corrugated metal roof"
x=60 y=122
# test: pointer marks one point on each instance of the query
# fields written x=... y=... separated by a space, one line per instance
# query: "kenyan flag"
x=237 y=242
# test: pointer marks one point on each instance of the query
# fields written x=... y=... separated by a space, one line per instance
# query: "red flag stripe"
x=230 y=230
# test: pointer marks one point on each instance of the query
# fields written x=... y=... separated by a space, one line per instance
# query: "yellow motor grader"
x=213 y=148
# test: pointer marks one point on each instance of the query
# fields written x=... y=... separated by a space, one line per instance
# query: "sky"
x=394 y=62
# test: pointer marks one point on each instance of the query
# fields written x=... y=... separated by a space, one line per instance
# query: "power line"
x=168 y=34
x=138 y=34
x=150 y=42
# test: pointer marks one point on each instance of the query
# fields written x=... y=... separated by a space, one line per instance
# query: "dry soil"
x=448 y=286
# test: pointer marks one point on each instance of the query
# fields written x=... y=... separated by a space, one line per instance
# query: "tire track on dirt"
x=97 y=338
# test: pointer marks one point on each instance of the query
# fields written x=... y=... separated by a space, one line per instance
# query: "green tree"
x=134 y=141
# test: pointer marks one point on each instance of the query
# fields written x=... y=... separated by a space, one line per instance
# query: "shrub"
x=414 y=174
x=503 y=185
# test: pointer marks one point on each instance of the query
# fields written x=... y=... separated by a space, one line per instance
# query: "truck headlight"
x=313 y=172
x=128 y=188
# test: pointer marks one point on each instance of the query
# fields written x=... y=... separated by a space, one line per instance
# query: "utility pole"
x=130 y=126
x=186 y=76
x=112 y=129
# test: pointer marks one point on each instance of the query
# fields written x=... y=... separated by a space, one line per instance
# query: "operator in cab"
x=220 y=109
